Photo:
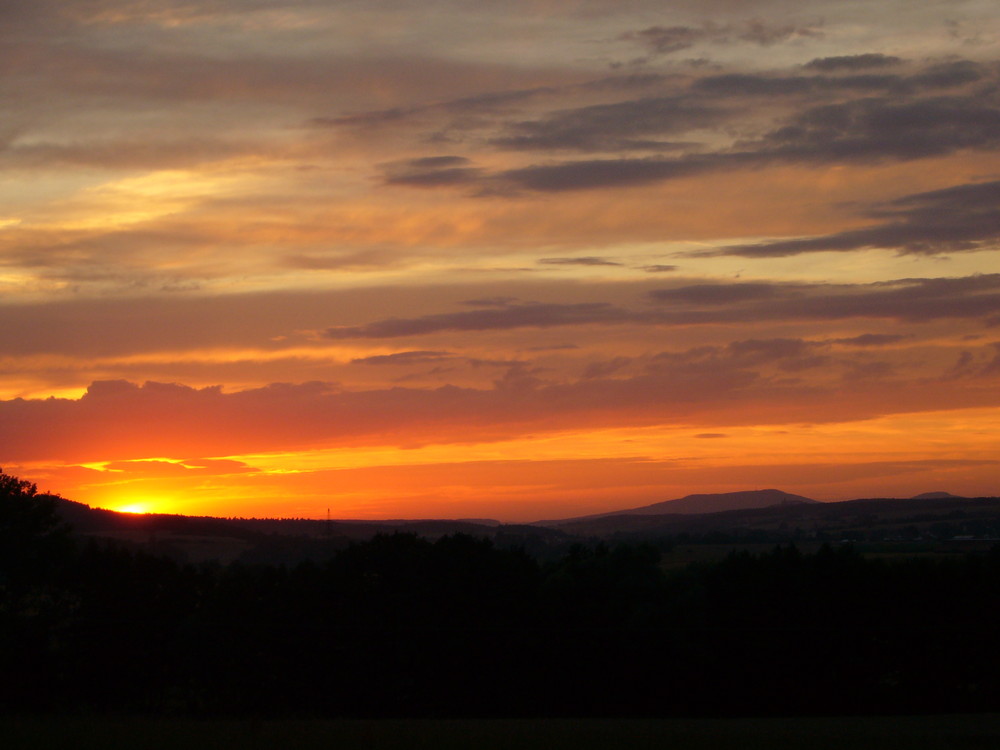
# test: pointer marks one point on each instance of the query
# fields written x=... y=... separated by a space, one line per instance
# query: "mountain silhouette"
x=703 y=503
x=720 y=502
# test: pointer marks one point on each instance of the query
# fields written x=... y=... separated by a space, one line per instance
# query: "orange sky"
x=515 y=261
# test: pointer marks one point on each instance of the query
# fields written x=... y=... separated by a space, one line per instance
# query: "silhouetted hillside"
x=276 y=540
x=855 y=520
x=696 y=504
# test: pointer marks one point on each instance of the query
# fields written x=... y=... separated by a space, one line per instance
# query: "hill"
x=276 y=540
x=787 y=518
x=863 y=519
x=693 y=504
x=697 y=505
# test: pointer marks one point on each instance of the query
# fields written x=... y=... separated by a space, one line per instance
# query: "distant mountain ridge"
x=702 y=503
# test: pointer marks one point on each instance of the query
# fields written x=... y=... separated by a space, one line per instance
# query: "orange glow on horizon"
x=562 y=474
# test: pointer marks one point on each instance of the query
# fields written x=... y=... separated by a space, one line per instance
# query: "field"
x=686 y=554
x=859 y=733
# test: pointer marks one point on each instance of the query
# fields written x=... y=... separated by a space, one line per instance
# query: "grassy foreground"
x=859 y=733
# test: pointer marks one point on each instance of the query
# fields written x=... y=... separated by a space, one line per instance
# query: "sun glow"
x=132 y=499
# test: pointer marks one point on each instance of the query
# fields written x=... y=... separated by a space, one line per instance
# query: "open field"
x=859 y=733
x=686 y=554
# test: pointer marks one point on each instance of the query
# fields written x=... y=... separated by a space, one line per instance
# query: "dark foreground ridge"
x=462 y=626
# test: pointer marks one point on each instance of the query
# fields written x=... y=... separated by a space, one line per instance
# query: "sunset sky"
x=520 y=259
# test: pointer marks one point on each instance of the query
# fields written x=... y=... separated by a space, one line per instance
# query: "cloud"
x=856 y=131
x=588 y=260
x=752 y=84
x=616 y=126
x=489 y=102
x=405 y=358
x=182 y=468
x=525 y=315
x=903 y=299
x=607 y=368
x=881 y=128
x=750 y=356
x=948 y=75
x=717 y=123
x=871 y=339
x=748 y=381
x=765 y=350
x=853 y=62
x=127 y=153
x=432 y=171
x=111 y=421
x=720 y=294
x=967 y=297
x=604 y=173
x=961 y=218
x=665 y=40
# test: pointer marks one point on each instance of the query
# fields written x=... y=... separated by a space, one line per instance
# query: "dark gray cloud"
x=662 y=40
x=752 y=84
x=765 y=34
x=419 y=357
x=862 y=130
x=104 y=153
x=853 y=62
x=587 y=260
x=599 y=173
x=885 y=128
x=993 y=366
x=613 y=126
x=749 y=356
x=432 y=171
x=659 y=268
x=869 y=117
x=530 y=315
x=914 y=300
x=553 y=348
x=665 y=40
x=765 y=350
x=606 y=368
x=720 y=294
x=490 y=102
x=871 y=339
x=959 y=218
x=490 y=302
x=437 y=162
x=949 y=75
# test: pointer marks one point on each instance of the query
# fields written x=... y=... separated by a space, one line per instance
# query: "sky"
x=517 y=260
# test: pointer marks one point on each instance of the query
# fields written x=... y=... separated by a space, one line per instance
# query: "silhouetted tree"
x=33 y=539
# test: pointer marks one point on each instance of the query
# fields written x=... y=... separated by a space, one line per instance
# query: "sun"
x=137 y=503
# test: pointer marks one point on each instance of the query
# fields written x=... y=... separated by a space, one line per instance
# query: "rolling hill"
x=698 y=505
